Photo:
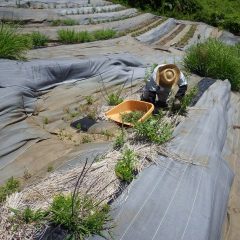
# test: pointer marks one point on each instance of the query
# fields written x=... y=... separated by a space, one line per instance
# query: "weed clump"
x=39 y=39
x=125 y=168
x=13 y=45
x=28 y=215
x=154 y=130
x=12 y=185
x=88 y=217
x=114 y=99
x=215 y=59
x=187 y=100
x=132 y=117
x=119 y=141
x=89 y=100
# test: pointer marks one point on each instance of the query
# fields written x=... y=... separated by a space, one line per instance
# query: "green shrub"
x=88 y=217
x=12 y=185
x=154 y=130
x=114 y=99
x=215 y=59
x=13 y=45
x=125 y=168
x=39 y=39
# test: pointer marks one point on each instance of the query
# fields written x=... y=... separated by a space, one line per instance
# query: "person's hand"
x=176 y=103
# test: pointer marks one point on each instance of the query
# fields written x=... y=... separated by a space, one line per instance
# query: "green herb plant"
x=125 y=168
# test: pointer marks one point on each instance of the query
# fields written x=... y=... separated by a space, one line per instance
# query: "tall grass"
x=71 y=36
x=13 y=45
x=215 y=59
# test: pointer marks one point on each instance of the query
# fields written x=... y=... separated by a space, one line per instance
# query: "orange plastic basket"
x=127 y=106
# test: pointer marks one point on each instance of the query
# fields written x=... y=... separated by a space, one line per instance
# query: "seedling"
x=50 y=168
x=78 y=126
x=46 y=120
x=89 y=100
x=119 y=141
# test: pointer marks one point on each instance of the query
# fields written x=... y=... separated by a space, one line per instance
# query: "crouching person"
x=161 y=83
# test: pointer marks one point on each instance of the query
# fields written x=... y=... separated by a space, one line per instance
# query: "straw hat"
x=168 y=75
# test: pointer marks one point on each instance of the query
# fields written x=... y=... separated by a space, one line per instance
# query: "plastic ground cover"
x=22 y=83
x=180 y=200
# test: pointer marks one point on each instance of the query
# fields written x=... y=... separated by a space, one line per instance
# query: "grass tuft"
x=12 y=185
x=13 y=45
x=216 y=60
x=39 y=39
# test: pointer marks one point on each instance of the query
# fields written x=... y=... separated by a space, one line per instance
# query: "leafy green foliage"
x=89 y=100
x=114 y=99
x=221 y=13
x=39 y=39
x=29 y=216
x=125 y=167
x=154 y=130
x=88 y=217
x=215 y=59
x=132 y=117
x=79 y=126
x=119 y=141
x=12 y=185
x=187 y=100
x=13 y=45
x=71 y=36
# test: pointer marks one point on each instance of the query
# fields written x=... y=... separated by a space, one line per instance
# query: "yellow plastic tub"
x=127 y=106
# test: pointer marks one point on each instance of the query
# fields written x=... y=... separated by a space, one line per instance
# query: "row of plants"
x=71 y=36
x=224 y=14
x=14 y=44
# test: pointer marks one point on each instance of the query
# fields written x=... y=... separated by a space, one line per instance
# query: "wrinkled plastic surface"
x=179 y=200
x=21 y=83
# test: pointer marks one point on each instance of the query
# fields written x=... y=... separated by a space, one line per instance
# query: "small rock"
x=100 y=127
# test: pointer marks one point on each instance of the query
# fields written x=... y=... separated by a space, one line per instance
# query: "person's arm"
x=182 y=87
x=149 y=91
